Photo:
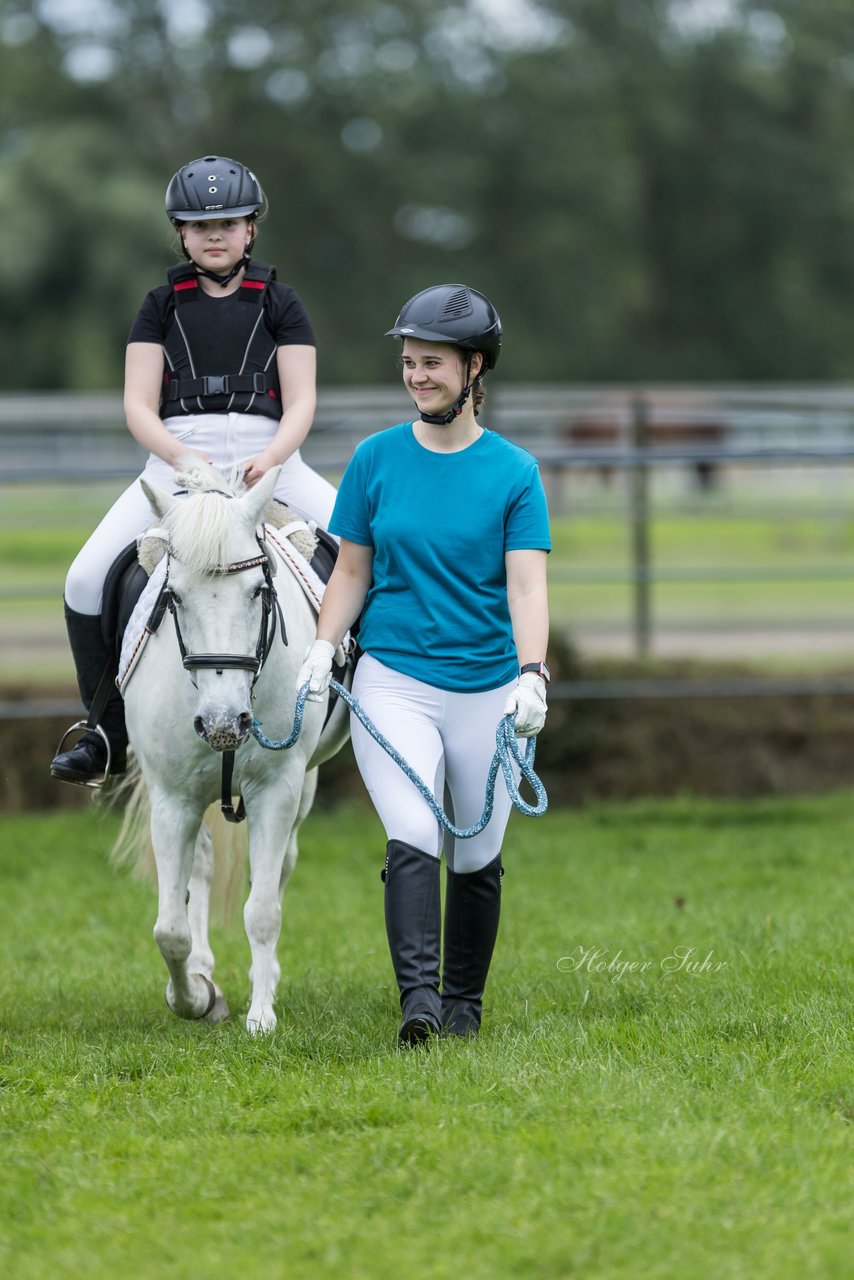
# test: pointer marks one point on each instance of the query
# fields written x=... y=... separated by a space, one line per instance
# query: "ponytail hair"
x=478 y=394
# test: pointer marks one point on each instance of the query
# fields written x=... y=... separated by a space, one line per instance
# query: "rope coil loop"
x=507 y=753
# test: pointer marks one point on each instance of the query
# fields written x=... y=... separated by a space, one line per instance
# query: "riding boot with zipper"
x=86 y=761
x=413 y=927
x=472 y=909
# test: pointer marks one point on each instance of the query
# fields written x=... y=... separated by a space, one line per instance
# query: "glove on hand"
x=316 y=670
x=528 y=700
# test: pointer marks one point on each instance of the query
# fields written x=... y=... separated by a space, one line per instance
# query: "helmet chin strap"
x=443 y=419
x=223 y=280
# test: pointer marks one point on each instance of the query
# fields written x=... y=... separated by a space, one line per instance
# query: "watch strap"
x=539 y=668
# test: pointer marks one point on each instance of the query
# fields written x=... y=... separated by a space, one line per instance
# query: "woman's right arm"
x=143 y=381
x=345 y=592
x=342 y=603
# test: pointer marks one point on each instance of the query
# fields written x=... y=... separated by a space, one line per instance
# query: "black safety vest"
x=191 y=381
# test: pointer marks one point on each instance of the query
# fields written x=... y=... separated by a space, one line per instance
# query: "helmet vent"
x=457 y=306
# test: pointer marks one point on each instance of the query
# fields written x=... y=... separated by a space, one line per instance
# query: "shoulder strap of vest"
x=256 y=278
x=184 y=281
x=253 y=287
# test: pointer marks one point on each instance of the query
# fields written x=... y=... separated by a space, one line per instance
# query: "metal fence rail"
x=631 y=433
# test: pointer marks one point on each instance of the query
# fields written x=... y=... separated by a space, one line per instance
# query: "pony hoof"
x=220 y=1011
x=261 y=1026
x=194 y=1016
x=212 y=995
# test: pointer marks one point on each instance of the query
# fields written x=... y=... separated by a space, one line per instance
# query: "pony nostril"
x=199 y=726
x=244 y=722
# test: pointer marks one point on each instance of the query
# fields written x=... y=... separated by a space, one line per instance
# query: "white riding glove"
x=528 y=700
x=316 y=670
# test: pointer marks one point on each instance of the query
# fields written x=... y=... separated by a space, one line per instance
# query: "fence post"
x=639 y=522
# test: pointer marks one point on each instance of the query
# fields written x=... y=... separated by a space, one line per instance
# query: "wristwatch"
x=539 y=668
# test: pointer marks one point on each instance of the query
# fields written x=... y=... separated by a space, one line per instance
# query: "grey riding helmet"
x=452 y=313
x=213 y=187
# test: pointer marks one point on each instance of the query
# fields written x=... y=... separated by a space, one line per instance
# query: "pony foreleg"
x=272 y=862
x=201 y=959
x=262 y=914
x=173 y=835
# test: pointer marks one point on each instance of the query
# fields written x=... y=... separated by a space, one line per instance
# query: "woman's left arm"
x=529 y=614
x=297 y=366
x=527 y=598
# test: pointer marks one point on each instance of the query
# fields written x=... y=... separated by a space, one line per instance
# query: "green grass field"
x=646 y=1121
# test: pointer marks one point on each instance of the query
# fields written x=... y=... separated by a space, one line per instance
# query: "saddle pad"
x=280 y=544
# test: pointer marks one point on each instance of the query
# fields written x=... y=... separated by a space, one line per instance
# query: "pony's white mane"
x=201 y=527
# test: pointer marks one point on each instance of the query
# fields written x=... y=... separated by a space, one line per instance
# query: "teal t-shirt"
x=439 y=525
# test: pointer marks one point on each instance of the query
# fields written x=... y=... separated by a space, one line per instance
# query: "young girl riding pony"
x=220 y=362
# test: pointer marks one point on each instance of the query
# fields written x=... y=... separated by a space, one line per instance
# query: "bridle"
x=271 y=618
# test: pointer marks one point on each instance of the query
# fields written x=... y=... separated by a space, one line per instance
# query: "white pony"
x=230 y=652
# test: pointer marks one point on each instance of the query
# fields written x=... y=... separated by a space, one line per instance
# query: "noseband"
x=271 y=617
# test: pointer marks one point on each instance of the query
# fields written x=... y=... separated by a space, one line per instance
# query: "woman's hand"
x=528 y=700
x=316 y=670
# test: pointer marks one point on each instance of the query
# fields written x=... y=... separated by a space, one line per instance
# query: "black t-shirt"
x=222 y=335
x=284 y=315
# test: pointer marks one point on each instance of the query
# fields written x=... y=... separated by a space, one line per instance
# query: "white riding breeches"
x=448 y=738
x=229 y=439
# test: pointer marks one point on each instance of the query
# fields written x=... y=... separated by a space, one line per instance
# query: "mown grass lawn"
x=638 y=1122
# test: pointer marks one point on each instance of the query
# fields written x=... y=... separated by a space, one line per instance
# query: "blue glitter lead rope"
x=506 y=753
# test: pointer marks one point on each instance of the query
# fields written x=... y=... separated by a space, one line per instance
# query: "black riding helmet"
x=213 y=187
x=458 y=315
x=452 y=313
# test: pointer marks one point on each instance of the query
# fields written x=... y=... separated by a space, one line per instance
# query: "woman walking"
x=220 y=363
x=444 y=537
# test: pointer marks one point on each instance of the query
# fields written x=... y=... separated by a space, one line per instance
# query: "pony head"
x=200 y=527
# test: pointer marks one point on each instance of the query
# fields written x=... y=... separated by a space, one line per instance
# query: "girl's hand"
x=181 y=451
x=256 y=468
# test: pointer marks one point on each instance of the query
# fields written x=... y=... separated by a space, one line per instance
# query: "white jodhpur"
x=448 y=738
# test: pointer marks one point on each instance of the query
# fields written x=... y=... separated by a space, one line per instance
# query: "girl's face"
x=217 y=244
x=434 y=373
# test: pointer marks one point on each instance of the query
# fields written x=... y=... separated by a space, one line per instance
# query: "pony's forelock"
x=200 y=526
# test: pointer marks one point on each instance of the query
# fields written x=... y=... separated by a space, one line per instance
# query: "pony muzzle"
x=224 y=733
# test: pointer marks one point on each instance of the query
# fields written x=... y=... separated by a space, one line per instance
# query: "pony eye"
x=256 y=593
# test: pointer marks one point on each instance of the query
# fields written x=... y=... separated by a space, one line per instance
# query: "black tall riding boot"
x=413 y=925
x=472 y=909
x=86 y=762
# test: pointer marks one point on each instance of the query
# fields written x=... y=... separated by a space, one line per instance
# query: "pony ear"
x=161 y=502
x=153 y=546
x=255 y=499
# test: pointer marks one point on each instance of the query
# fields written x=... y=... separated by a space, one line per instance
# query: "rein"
x=506 y=754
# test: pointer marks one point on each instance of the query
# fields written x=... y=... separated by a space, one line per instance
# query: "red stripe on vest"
x=253 y=284
x=186 y=284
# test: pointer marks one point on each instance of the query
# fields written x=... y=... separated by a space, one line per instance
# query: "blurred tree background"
x=649 y=189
